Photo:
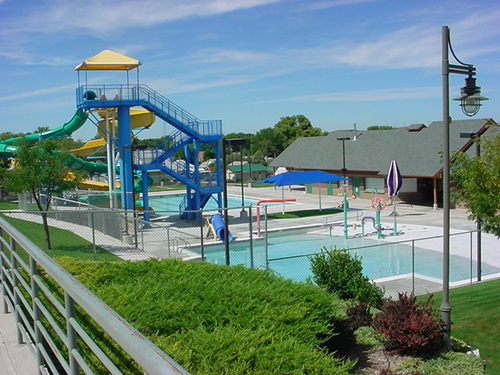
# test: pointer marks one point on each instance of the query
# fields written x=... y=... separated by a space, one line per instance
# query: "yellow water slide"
x=139 y=118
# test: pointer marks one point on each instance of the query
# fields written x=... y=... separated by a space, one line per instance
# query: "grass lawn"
x=304 y=213
x=64 y=243
x=475 y=319
x=8 y=206
x=262 y=185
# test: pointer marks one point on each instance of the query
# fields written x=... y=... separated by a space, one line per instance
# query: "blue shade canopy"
x=394 y=179
x=299 y=178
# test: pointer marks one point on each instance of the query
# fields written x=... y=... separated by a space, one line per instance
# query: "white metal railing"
x=57 y=316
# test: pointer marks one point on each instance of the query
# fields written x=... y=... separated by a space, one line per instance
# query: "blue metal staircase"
x=189 y=131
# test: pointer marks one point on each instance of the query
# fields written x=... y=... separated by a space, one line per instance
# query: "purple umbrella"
x=394 y=183
x=394 y=179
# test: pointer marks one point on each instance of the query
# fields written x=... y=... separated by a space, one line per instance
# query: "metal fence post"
x=36 y=312
x=250 y=229
x=15 y=289
x=168 y=243
x=71 y=334
x=200 y=215
x=136 y=220
x=94 y=246
x=266 y=250
x=2 y=275
x=470 y=256
x=413 y=266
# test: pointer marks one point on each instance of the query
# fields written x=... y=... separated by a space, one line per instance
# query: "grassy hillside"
x=218 y=319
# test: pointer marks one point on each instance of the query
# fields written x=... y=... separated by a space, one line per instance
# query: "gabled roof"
x=109 y=60
x=416 y=149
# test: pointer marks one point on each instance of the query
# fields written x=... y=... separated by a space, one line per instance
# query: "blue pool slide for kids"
x=218 y=224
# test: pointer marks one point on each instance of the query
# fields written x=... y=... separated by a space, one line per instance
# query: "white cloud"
x=179 y=85
x=31 y=93
x=366 y=95
x=103 y=17
x=325 y=4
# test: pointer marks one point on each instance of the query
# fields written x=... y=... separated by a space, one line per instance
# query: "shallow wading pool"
x=287 y=255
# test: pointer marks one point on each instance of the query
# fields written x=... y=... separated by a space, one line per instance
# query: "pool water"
x=171 y=202
x=380 y=259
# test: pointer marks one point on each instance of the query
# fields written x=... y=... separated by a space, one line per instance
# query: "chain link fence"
x=408 y=265
x=127 y=235
x=414 y=265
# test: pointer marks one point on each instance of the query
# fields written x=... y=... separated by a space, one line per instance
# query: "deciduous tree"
x=476 y=182
x=41 y=171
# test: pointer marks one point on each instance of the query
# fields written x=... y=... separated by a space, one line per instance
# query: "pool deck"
x=413 y=222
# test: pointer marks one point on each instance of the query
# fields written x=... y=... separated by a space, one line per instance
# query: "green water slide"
x=8 y=149
x=67 y=129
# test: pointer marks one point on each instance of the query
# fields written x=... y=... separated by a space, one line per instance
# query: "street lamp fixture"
x=470 y=102
x=470 y=95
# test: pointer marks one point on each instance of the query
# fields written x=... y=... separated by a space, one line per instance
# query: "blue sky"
x=251 y=62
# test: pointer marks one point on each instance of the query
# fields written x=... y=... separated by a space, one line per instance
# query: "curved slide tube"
x=218 y=223
x=67 y=129
x=7 y=149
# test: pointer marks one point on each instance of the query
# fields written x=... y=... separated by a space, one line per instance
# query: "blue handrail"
x=111 y=95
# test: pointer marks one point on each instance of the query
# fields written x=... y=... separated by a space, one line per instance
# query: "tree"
x=8 y=135
x=293 y=127
x=379 y=127
x=476 y=182
x=68 y=143
x=267 y=142
x=41 y=171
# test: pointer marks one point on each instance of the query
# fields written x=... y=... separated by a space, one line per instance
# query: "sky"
x=251 y=62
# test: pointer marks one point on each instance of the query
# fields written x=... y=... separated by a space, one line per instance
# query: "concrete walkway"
x=15 y=359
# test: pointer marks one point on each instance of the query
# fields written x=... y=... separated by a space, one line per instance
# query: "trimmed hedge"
x=219 y=319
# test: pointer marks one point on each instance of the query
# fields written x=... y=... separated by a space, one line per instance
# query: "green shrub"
x=408 y=326
x=340 y=273
x=236 y=350
x=221 y=320
x=449 y=363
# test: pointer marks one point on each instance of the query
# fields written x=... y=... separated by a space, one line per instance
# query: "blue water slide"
x=219 y=228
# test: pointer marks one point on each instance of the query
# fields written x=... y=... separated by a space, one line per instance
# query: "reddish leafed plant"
x=409 y=326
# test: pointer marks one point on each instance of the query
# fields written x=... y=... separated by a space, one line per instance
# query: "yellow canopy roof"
x=109 y=60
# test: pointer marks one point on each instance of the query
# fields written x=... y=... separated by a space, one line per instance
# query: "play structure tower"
x=190 y=133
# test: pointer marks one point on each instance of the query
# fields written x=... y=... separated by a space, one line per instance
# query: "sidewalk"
x=15 y=359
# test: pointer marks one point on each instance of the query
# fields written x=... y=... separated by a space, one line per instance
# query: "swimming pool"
x=286 y=254
x=171 y=202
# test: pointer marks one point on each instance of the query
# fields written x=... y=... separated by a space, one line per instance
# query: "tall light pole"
x=225 y=143
x=470 y=101
x=227 y=254
x=343 y=139
x=240 y=142
x=345 y=186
